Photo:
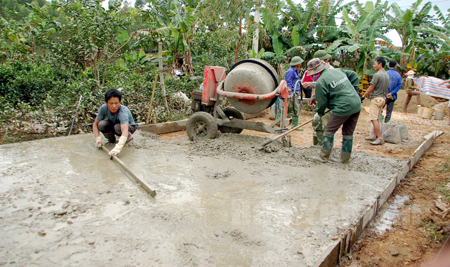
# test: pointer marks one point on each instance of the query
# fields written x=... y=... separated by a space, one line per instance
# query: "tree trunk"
x=236 y=54
x=256 y=33
x=161 y=76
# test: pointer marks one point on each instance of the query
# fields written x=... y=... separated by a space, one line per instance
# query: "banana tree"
x=183 y=26
x=175 y=26
x=357 y=46
x=435 y=51
x=404 y=23
x=301 y=23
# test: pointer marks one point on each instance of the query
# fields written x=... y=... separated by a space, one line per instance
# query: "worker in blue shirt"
x=292 y=76
x=395 y=84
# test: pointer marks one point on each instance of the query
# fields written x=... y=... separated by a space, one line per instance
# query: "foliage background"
x=51 y=53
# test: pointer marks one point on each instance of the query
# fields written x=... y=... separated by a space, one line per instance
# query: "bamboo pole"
x=125 y=167
x=151 y=100
x=163 y=86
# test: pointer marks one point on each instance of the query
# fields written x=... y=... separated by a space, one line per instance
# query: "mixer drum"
x=251 y=76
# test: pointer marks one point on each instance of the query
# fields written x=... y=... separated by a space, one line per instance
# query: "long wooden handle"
x=125 y=167
x=285 y=133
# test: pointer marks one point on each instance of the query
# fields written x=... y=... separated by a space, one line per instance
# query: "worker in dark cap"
x=322 y=55
x=291 y=76
x=335 y=91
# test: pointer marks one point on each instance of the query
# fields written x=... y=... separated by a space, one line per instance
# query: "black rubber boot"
x=327 y=146
x=347 y=145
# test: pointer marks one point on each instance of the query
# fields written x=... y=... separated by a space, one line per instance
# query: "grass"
x=433 y=234
x=443 y=167
x=444 y=189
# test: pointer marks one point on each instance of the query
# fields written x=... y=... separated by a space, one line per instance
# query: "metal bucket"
x=251 y=76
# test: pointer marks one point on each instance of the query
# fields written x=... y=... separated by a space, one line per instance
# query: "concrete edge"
x=175 y=126
x=334 y=253
x=165 y=127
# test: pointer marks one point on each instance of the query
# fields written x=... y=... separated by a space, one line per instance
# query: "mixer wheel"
x=232 y=113
x=201 y=126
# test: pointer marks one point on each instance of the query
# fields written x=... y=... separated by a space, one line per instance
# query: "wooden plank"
x=125 y=167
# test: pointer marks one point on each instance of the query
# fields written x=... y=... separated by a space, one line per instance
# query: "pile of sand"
x=442 y=106
x=426 y=101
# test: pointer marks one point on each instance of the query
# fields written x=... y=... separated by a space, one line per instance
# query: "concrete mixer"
x=250 y=87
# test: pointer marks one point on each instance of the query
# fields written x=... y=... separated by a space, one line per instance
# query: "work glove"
x=316 y=117
x=98 y=141
x=362 y=99
x=116 y=150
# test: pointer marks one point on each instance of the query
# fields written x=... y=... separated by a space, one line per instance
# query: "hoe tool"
x=285 y=133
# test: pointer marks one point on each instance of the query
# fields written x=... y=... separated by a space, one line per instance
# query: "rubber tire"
x=201 y=126
x=232 y=112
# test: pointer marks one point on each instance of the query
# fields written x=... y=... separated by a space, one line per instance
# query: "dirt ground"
x=416 y=235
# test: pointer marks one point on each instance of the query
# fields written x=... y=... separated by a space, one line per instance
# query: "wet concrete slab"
x=223 y=202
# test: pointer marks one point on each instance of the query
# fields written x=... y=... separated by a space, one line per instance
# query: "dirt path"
x=417 y=234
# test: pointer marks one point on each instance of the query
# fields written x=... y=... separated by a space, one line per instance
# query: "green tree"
x=360 y=35
x=434 y=50
x=405 y=23
x=92 y=39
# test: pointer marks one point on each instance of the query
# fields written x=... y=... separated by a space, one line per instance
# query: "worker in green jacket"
x=335 y=92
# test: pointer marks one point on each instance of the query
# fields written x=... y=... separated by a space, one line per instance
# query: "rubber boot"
x=319 y=135
x=327 y=146
x=347 y=145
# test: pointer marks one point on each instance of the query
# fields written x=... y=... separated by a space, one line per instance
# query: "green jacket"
x=335 y=92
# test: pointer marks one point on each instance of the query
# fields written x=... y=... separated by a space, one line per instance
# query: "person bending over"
x=335 y=92
x=410 y=90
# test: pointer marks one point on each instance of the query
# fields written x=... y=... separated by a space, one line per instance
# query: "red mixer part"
x=211 y=78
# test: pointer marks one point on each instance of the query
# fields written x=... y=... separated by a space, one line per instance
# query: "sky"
x=443 y=5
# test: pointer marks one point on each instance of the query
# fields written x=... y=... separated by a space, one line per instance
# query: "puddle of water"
x=390 y=214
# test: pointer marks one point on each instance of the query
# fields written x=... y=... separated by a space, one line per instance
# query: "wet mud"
x=221 y=202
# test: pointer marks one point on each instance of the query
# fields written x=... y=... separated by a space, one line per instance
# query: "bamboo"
x=163 y=86
x=151 y=101
x=125 y=167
